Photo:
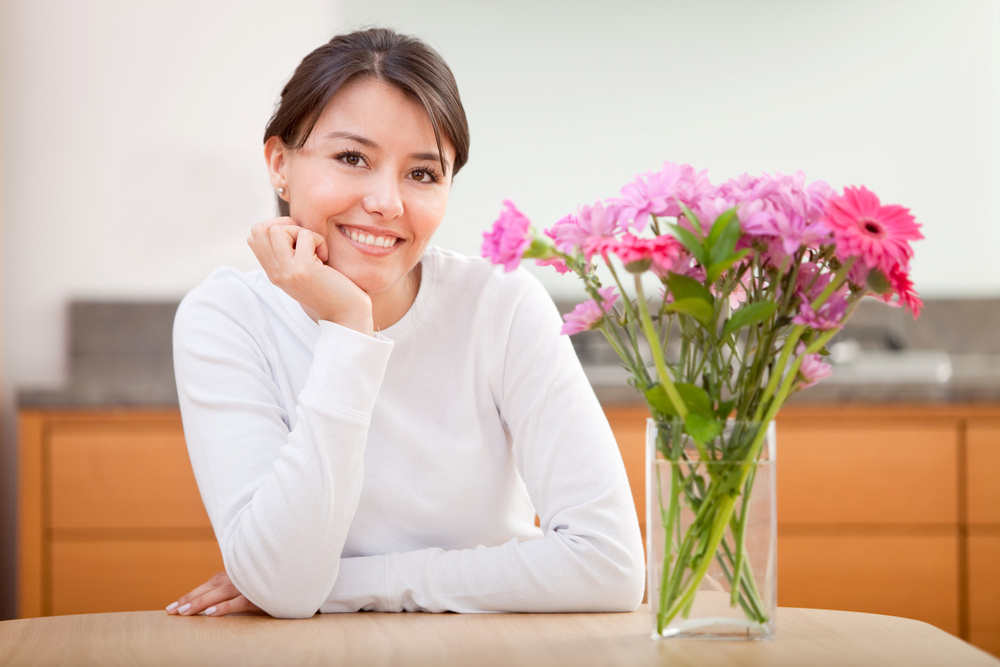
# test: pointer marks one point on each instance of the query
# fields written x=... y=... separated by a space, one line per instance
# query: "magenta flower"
x=813 y=368
x=588 y=315
x=902 y=290
x=572 y=231
x=660 y=254
x=556 y=263
x=878 y=235
x=509 y=239
x=660 y=193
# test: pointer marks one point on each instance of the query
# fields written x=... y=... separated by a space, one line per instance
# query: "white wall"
x=131 y=130
x=132 y=163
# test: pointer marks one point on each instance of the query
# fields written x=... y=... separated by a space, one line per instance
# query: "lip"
x=373 y=231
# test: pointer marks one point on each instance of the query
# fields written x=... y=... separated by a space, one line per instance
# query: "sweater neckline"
x=428 y=275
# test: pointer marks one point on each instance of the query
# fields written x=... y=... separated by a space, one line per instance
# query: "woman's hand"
x=215 y=597
x=294 y=258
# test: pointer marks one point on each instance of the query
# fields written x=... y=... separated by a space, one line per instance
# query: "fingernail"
x=171 y=606
x=211 y=610
x=184 y=608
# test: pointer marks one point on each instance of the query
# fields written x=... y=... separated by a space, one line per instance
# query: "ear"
x=276 y=155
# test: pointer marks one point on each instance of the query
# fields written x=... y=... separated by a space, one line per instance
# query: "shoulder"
x=229 y=301
x=476 y=274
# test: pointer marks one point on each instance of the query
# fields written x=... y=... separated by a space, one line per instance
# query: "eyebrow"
x=365 y=141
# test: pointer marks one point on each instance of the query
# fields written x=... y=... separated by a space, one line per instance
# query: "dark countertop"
x=120 y=356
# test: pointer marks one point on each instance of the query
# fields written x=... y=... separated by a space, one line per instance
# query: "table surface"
x=805 y=637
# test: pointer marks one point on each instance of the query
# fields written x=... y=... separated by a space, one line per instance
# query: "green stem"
x=658 y=359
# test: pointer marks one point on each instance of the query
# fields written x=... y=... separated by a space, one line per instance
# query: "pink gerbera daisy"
x=878 y=235
x=589 y=314
x=638 y=254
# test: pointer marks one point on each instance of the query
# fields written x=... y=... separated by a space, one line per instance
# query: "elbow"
x=624 y=586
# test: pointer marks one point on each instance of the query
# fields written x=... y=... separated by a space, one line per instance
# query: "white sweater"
x=402 y=472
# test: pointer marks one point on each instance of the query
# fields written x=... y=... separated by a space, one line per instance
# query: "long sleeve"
x=279 y=466
x=588 y=554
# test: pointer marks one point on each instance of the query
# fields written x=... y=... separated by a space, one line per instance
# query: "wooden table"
x=805 y=637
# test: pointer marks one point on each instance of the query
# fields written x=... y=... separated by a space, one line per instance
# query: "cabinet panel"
x=899 y=575
x=983 y=472
x=121 y=474
x=629 y=427
x=984 y=592
x=879 y=471
x=91 y=576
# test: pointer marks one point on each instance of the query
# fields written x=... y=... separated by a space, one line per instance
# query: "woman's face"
x=368 y=179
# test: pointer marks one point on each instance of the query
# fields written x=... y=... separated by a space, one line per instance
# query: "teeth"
x=371 y=239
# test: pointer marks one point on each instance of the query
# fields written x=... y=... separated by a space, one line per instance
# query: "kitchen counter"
x=120 y=356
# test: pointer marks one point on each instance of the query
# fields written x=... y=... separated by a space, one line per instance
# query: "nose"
x=384 y=198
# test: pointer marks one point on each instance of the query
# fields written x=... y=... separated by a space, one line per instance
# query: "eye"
x=424 y=175
x=351 y=158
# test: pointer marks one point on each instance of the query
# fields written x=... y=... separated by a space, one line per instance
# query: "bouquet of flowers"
x=754 y=277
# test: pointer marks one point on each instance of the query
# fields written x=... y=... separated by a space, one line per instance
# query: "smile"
x=369 y=239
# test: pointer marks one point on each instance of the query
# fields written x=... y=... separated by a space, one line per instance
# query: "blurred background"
x=131 y=133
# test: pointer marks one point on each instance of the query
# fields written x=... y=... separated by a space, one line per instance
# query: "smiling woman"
x=373 y=422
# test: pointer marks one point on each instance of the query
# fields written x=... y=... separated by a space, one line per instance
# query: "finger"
x=212 y=598
x=238 y=605
x=218 y=580
x=309 y=244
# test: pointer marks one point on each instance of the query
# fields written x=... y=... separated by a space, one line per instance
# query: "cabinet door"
x=982 y=473
x=885 y=471
x=984 y=591
x=913 y=576
x=132 y=574
x=121 y=473
x=629 y=427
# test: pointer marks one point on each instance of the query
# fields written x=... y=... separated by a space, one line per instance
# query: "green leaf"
x=724 y=235
x=659 y=402
x=685 y=287
x=726 y=408
x=749 y=314
x=692 y=218
x=691 y=242
x=695 y=399
x=702 y=429
x=696 y=308
x=713 y=272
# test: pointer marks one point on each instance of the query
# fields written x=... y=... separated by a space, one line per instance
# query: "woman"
x=373 y=422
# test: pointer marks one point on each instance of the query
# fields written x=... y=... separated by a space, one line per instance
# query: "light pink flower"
x=589 y=314
x=509 y=239
x=830 y=314
x=862 y=227
x=660 y=193
x=572 y=231
x=813 y=368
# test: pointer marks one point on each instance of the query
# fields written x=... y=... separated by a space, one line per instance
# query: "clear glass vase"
x=711 y=520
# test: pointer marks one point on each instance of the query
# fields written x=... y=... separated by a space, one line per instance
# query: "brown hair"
x=402 y=61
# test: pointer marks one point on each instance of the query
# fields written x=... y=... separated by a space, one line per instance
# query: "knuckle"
x=219 y=579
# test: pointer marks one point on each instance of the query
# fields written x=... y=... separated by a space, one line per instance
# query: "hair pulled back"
x=377 y=53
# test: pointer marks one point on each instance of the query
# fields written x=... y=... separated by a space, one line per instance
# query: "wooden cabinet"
x=983 y=516
x=883 y=509
x=110 y=516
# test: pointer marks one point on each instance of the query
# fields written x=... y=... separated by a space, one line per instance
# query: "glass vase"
x=711 y=532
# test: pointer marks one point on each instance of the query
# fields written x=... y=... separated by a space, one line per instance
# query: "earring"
x=281 y=192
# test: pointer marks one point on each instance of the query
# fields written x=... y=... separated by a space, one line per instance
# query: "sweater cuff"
x=360 y=586
x=347 y=370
